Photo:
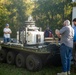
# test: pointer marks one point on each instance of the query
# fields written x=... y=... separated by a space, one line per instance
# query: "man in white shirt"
x=7 y=31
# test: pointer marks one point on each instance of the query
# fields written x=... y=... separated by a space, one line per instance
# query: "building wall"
x=73 y=0
x=73 y=13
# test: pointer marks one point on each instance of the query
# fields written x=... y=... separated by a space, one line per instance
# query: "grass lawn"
x=6 y=69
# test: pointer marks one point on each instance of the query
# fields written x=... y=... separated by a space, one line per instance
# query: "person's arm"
x=52 y=34
x=4 y=30
x=57 y=33
x=7 y=32
x=10 y=31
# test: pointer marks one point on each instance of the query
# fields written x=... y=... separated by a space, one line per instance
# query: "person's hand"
x=8 y=32
x=56 y=31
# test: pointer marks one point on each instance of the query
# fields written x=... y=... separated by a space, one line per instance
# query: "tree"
x=52 y=13
x=4 y=13
x=45 y=12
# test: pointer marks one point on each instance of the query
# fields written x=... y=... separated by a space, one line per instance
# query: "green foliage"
x=52 y=13
x=3 y=17
x=45 y=12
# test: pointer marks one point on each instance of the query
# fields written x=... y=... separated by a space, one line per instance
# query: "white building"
x=73 y=0
x=73 y=11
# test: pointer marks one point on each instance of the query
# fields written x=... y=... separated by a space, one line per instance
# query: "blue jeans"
x=66 y=54
x=6 y=40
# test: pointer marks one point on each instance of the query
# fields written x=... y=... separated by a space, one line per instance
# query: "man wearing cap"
x=7 y=31
x=66 y=34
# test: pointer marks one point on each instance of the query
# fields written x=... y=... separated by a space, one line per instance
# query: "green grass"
x=6 y=69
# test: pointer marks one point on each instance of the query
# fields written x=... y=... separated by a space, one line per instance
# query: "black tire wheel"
x=33 y=63
x=10 y=58
x=2 y=55
x=20 y=61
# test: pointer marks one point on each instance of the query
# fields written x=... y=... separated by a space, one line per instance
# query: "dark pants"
x=74 y=52
x=6 y=40
x=66 y=54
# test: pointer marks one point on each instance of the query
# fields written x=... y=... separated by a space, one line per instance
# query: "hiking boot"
x=68 y=72
x=62 y=73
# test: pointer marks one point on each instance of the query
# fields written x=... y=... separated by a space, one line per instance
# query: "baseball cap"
x=7 y=24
